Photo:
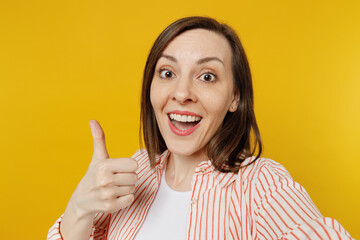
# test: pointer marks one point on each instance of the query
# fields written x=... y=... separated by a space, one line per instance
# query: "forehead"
x=197 y=43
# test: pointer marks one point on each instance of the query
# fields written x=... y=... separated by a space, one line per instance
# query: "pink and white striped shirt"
x=261 y=201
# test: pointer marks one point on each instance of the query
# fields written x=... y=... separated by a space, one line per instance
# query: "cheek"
x=218 y=104
x=156 y=97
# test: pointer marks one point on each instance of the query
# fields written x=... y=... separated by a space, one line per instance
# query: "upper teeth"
x=184 y=118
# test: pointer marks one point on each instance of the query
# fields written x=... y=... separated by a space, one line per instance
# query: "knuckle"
x=102 y=196
x=106 y=194
x=103 y=181
x=100 y=137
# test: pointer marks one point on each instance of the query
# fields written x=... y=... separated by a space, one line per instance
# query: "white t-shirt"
x=167 y=216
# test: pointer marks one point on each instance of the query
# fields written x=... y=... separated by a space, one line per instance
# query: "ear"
x=235 y=102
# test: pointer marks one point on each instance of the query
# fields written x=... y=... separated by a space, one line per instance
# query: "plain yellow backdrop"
x=63 y=63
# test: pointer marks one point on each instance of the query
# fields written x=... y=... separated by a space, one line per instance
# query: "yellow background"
x=63 y=63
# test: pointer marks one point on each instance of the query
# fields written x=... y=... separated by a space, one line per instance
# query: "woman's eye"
x=165 y=73
x=208 y=77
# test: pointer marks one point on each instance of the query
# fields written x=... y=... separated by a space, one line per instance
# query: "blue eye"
x=166 y=73
x=208 y=77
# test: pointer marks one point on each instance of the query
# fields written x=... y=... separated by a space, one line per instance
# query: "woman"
x=197 y=104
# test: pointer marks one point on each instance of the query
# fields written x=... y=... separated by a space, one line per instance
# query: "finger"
x=124 y=190
x=125 y=179
x=115 y=192
x=115 y=204
x=119 y=165
x=124 y=201
x=98 y=135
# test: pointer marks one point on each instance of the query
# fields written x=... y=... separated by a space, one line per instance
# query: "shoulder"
x=263 y=168
x=266 y=181
x=264 y=175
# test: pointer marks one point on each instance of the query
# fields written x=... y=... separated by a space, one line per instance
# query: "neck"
x=180 y=169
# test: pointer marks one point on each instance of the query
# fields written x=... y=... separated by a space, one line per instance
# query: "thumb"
x=98 y=135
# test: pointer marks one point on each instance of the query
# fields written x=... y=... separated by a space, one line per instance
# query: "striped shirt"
x=261 y=201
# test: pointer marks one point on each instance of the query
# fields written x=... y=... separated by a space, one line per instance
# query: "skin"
x=181 y=83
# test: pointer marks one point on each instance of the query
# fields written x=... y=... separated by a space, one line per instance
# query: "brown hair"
x=231 y=144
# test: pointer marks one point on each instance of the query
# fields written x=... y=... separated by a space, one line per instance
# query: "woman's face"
x=192 y=90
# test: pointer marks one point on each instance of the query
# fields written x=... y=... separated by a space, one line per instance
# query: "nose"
x=183 y=91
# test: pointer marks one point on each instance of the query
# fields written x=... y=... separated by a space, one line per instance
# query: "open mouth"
x=183 y=124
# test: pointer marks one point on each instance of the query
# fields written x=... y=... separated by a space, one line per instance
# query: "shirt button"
x=202 y=169
x=193 y=200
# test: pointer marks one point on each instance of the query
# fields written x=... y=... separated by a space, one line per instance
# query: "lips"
x=183 y=123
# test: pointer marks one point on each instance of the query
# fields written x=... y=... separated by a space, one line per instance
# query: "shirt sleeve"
x=286 y=211
x=99 y=229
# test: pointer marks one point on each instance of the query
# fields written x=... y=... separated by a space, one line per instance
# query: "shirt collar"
x=161 y=160
x=224 y=179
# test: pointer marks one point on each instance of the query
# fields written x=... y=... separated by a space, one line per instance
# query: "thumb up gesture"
x=109 y=183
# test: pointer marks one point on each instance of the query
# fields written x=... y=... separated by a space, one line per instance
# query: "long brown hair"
x=232 y=142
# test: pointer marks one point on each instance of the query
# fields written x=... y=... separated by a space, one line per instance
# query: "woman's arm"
x=286 y=211
x=107 y=186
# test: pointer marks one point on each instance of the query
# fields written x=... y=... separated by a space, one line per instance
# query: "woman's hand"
x=107 y=186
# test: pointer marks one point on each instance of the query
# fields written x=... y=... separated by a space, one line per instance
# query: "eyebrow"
x=200 y=61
